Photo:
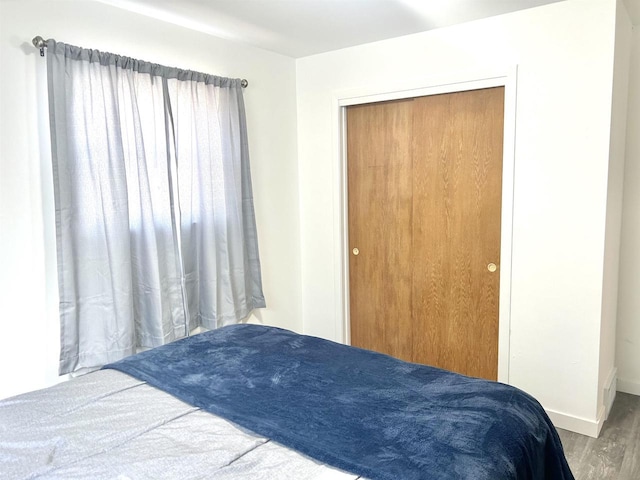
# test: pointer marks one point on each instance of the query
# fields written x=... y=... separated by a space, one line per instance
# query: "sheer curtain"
x=154 y=209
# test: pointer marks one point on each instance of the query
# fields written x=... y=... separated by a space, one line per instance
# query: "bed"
x=256 y=402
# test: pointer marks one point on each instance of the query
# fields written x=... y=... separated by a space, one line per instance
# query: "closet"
x=424 y=206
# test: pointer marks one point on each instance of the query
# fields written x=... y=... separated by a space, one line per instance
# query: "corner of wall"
x=614 y=205
x=628 y=386
x=609 y=391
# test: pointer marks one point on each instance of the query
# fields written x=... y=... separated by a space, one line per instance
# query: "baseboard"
x=628 y=386
x=592 y=428
x=579 y=425
x=609 y=391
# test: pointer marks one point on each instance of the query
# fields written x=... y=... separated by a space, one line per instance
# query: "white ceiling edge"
x=168 y=17
x=298 y=28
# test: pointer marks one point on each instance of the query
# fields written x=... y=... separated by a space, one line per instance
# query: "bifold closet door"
x=424 y=181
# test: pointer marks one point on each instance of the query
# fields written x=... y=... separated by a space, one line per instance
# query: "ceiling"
x=299 y=28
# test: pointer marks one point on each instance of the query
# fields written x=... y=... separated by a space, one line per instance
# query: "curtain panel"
x=155 y=222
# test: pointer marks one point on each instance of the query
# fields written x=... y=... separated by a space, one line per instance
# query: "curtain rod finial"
x=38 y=42
x=244 y=83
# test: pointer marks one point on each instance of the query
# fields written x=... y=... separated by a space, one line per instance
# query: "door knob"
x=355 y=251
x=492 y=267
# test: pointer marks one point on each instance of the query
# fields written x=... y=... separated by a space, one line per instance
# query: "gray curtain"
x=154 y=210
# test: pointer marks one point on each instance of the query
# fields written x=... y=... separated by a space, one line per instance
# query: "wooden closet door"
x=380 y=225
x=457 y=192
x=424 y=180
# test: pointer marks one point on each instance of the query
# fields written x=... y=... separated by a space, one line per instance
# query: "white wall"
x=564 y=53
x=628 y=332
x=28 y=289
x=610 y=287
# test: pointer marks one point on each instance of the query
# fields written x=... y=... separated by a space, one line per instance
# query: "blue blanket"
x=363 y=412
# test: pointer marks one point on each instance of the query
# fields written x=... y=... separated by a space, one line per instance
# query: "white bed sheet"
x=108 y=425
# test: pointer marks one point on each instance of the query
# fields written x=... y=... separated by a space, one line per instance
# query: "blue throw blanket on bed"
x=357 y=410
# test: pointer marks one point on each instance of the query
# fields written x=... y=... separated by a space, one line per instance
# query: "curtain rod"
x=41 y=43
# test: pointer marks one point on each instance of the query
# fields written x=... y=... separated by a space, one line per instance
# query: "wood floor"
x=613 y=455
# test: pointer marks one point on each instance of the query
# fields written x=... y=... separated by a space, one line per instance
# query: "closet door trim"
x=455 y=82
